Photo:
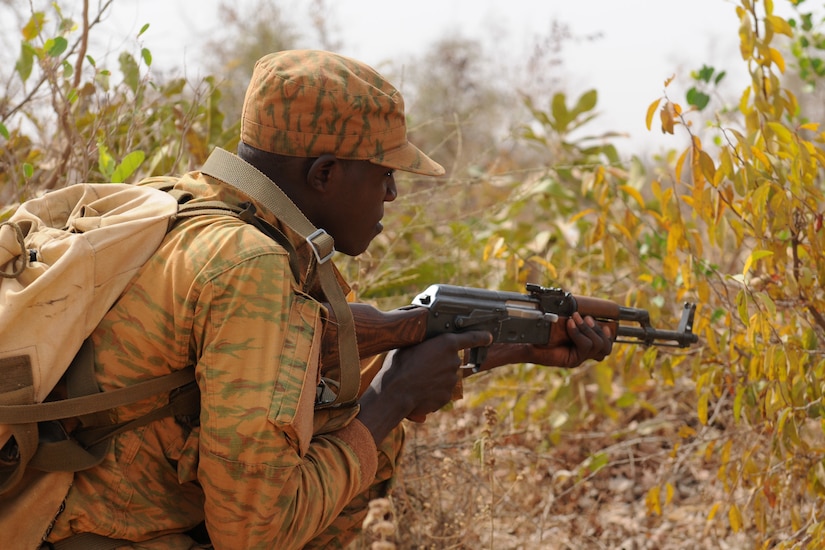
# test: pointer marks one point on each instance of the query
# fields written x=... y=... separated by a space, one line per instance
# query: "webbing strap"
x=89 y=541
x=88 y=404
x=25 y=435
x=236 y=172
x=88 y=446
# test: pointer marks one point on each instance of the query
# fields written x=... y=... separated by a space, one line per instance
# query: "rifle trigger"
x=477 y=357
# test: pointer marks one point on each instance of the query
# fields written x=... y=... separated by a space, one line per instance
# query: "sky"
x=640 y=43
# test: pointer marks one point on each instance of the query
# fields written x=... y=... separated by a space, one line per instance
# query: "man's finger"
x=472 y=339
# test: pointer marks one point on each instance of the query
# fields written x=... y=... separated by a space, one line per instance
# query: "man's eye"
x=390 y=173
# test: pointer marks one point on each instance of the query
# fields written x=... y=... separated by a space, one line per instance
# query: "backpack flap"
x=81 y=246
x=64 y=259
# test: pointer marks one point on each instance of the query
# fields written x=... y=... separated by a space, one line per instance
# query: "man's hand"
x=588 y=340
x=416 y=381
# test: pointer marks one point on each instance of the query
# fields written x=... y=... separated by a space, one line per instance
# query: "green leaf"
x=102 y=79
x=143 y=29
x=698 y=99
x=4 y=131
x=560 y=113
x=742 y=307
x=105 y=162
x=597 y=461
x=586 y=102
x=704 y=74
x=626 y=400
x=130 y=70
x=127 y=166
x=25 y=62
x=57 y=47
x=147 y=56
x=28 y=170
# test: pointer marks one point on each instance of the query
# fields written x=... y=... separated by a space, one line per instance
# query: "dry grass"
x=474 y=480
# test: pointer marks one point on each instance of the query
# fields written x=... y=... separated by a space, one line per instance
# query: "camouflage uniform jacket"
x=261 y=467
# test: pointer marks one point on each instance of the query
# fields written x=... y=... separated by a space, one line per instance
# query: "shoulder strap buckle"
x=324 y=247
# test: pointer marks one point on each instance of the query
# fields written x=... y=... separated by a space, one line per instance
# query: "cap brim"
x=409 y=158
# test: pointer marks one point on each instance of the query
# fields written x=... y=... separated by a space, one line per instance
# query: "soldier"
x=263 y=466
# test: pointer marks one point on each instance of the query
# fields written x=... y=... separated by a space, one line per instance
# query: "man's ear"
x=322 y=172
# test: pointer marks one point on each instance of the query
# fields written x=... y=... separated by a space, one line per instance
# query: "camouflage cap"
x=306 y=103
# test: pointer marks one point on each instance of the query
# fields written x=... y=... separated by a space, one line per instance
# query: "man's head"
x=330 y=131
x=306 y=103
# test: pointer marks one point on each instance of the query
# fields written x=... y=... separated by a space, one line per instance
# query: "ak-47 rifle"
x=511 y=318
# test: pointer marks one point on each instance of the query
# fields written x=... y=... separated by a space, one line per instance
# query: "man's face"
x=356 y=205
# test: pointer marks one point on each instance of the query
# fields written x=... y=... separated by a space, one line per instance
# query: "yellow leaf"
x=623 y=230
x=760 y=156
x=779 y=25
x=746 y=38
x=581 y=214
x=735 y=518
x=781 y=132
x=702 y=408
x=680 y=163
x=668 y=117
x=656 y=189
x=737 y=403
x=32 y=29
x=706 y=163
x=812 y=126
x=709 y=452
x=651 y=110
x=654 y=506
x=777 y=58
x=714 y=509
x=670 y=265
x=686 y=431
x=755 y=256
x=633 y=193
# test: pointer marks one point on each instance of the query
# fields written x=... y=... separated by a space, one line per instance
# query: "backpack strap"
x=236 y=172
x=17 y=372
x=87 y=445
x=87 y=541
x=42 y=443
x=96 y=402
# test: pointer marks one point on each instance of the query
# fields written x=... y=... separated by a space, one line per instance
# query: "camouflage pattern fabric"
x=261 y=468
x=305 y=103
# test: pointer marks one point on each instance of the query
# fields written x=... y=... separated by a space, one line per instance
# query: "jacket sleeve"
x=268 y=482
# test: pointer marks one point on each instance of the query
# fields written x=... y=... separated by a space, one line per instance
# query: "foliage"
x=735 y=227
x=754 y=243
x=248 y=32
x=65 y=118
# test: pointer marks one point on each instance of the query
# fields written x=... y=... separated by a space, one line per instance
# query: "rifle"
x=511 y=318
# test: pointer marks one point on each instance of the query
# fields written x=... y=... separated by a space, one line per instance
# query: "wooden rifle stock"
x=377 y=331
